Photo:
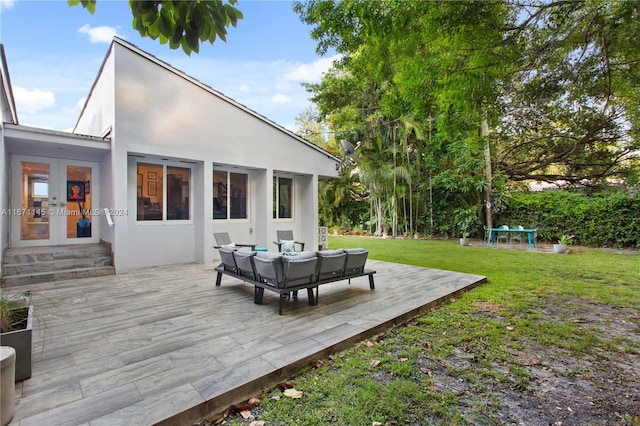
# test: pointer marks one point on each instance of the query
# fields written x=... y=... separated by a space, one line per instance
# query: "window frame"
x=228 y=218
x=165 y=186
x=276 y=200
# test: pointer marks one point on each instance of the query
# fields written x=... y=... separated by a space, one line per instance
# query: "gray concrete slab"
x=164 y=345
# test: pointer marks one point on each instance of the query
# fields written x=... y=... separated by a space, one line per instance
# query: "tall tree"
x=527 y=89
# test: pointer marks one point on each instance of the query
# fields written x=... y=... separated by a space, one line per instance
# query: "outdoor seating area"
x=287 y=273
x=162 y=345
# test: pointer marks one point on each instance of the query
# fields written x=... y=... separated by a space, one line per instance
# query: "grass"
x=533 y=303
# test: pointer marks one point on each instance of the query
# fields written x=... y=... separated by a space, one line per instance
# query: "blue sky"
x=54 y=52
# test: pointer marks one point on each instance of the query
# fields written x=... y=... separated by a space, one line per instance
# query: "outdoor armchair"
x=223 y=240
x=286 y=242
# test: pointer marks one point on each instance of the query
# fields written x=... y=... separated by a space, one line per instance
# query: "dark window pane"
x=178 y=190
x=219 y=195
x=285 y=198
x=238 y=196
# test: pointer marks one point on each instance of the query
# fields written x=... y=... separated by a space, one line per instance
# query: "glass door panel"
x=52 y=201
x=34 y=201
x=78 y=204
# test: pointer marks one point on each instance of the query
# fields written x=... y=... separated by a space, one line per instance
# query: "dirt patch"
x=601 y=388
x=540 y=385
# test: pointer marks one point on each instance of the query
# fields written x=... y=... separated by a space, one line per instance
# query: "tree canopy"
x=183 y=24
x=556 y=84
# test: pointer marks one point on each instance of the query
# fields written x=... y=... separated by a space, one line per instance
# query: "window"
x=178 y=193
x=163 y=192
x=41 y=189
x=282 y=198
x=230 y=195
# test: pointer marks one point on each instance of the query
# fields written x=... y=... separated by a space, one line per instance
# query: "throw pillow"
x=287 y=246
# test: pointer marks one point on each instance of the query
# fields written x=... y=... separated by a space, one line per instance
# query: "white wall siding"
x=98 y=113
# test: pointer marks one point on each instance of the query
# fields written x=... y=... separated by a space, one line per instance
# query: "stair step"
x=55 y=265
x=16 y=256
x=60 y=275
x=31 y=265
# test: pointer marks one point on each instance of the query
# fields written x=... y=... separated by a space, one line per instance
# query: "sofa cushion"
x=330 y=252
x=244 y=262
x=268 y=255
x=356 y=259
x=268 y=267
x=299 y=271
x=330 y=264
x=227 y=259
x=301 y=255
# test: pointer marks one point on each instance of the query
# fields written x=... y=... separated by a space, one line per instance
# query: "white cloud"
x=31 y=101
x=280 y=99
x=98 y=34
x=6 y=4
x=311 y=72
x=244 y=88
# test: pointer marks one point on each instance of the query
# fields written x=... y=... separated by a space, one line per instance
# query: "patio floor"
x=164 y=345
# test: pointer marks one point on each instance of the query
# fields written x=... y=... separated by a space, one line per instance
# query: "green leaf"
x=90 y=5
x=193 y=40
x=185 y=46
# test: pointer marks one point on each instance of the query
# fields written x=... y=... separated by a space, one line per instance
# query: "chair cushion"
x=287 y=246
x=231 y=246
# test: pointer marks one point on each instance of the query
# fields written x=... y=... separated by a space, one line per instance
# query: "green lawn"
x=539 y=313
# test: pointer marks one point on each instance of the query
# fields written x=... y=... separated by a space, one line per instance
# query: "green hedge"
x=603 y=220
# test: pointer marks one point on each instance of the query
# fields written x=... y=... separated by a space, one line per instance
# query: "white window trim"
x=248 y=207
x=165 y=221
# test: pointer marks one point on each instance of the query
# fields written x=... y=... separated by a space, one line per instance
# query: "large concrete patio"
x=164 y=345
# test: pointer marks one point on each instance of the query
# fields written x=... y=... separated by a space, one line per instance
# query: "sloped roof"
x=7 y=92
x=135 y=49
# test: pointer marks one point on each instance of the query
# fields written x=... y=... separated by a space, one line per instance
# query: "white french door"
x=52 y=201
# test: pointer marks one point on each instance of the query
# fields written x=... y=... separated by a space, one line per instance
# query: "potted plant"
x=17 y=329
x=464 y=239
x=466 y=219
x=563 y=242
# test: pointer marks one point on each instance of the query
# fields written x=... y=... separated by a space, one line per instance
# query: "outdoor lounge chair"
x=223 y=240
x=286 y=242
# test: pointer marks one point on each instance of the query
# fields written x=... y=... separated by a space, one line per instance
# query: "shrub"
x=601 y=220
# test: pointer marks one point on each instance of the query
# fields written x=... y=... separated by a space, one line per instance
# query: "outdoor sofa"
x=287 y=274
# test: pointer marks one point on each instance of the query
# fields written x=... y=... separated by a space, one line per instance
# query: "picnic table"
x=492 y=234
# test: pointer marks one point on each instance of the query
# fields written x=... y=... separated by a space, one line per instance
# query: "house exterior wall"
x=98 y=113
x=162 y=116
x=4 y=194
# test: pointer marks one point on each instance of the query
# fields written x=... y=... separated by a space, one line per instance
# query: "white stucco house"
x=170 y=159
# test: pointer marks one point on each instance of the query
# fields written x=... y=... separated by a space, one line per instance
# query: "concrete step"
x=53 y=276
x=29 y=265
x=55 y=265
